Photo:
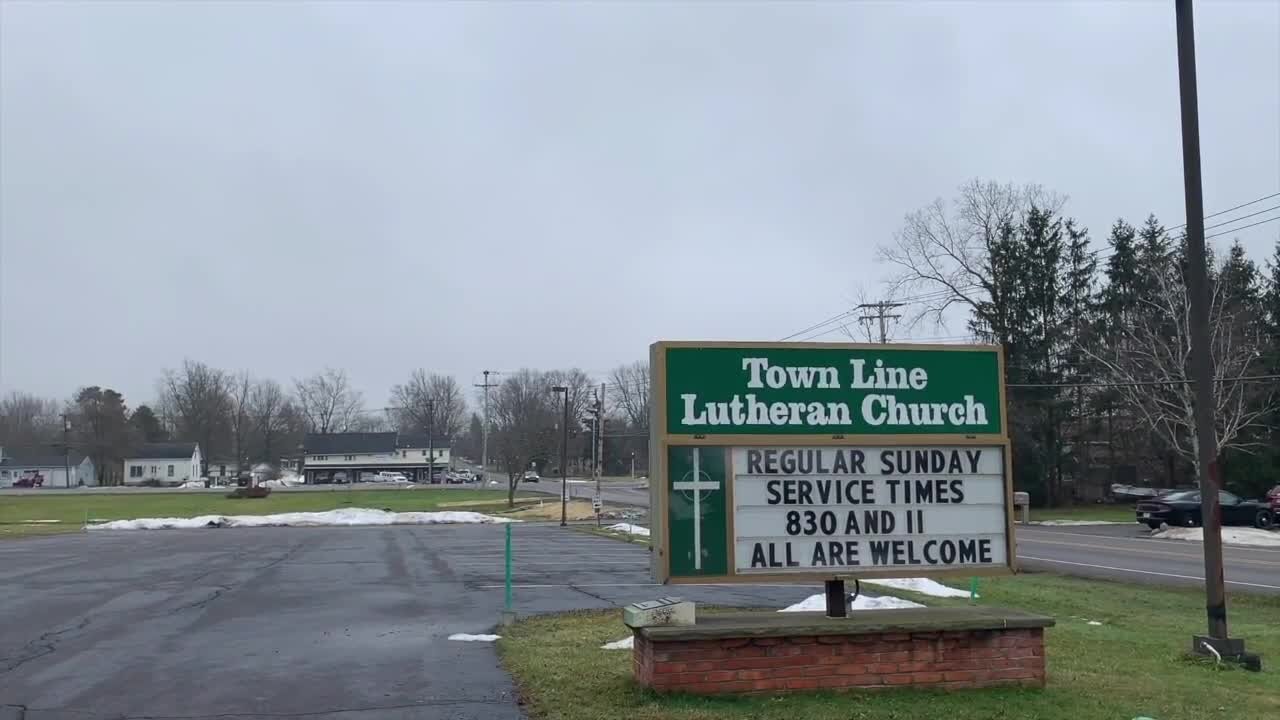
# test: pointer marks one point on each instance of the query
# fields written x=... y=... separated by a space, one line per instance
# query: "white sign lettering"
x=845 y=509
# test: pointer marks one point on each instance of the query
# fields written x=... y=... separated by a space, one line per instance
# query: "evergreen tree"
x=1154 y=250
x=1119 y=296
x=101 y=428
x=1271 y=312
x=147 y=426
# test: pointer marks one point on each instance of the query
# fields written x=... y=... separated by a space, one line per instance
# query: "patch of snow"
x=1094 y=622
x=466 y=637
x=192 y=485
x=1076 y=523
x=625 y=643
x=40 y=522
x=818 y=603
x=630 y=529
x=283 y=482
x=1230 y=535
x=924 y=586
x=342 y=517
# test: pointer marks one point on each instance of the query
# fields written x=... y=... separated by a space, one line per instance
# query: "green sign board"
x=839 y=390
x=772 y=462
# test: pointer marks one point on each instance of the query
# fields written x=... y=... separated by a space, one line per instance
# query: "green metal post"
x=973 y=590
x=507 y=586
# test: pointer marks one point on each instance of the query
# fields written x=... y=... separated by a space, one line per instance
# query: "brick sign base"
x=740 y=653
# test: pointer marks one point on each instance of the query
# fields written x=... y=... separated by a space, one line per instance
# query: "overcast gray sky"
x=381 y=186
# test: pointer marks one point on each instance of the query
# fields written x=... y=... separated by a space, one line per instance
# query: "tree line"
x=1097 y=342
x=235 y=417
x=244 y=420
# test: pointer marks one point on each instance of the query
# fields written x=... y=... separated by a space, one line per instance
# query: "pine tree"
x=1078 y=306
x=1271 y=305
x=1119 y=296
x=1154 y=251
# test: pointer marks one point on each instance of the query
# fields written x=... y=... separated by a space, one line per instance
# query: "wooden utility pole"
x=881 y=314
x=599 y=450
x=1201 y=360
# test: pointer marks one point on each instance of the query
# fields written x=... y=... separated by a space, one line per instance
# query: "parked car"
x=1273 y=496
x=1183 y=508
x=457 y=477
x=384 y=477
x=531 y=476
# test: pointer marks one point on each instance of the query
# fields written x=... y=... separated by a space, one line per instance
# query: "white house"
x=163 y=463
x=347 y=457
x=43 y=468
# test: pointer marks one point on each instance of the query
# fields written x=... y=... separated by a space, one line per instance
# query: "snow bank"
x=1075 y=523
x=624 y=644
x=818 y=603
x=1230 y=535
x=344 y=517
x=924 y=586
x=192 y=485
x=283 y=482
x=630 y=529
x=466 y=637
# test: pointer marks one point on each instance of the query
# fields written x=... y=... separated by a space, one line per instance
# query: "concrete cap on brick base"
x=864 y=622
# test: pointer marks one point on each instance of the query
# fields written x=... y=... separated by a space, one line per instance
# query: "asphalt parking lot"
x=347 y=623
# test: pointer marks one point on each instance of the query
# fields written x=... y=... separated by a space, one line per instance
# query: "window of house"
x=170 y=471
x=424 y=453
x=321 y=457
x=135 y=471
x=153 y=469
x=404 y=453
x=348 y=457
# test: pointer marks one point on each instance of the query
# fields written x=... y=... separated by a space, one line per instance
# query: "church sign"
x=777 y=461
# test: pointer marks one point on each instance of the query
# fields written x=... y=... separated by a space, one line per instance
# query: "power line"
x=828 y=321
x=1242 y=217
x=1224 y=212
x=1144 y=383
x=1242 y=227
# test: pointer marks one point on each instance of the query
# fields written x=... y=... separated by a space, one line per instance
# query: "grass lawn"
x=1132 y=665
x=1119 y=513
x=71 y=509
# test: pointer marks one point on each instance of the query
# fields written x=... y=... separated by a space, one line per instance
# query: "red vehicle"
x=29 y=479
x=1274 y=497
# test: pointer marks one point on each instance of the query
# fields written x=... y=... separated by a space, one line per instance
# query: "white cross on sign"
x=697 y=485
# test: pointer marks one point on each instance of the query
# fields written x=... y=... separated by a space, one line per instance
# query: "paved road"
x=327 y=623
x=1125 y=552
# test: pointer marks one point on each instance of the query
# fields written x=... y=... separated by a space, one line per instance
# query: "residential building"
x=164 y=464
x=45 y=467
x=223 y=471
x=349 y=457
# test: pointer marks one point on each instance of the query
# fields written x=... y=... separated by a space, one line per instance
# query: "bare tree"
x=274 y=420
x=328 y=402
x=196 y=398
x=944 y=253
x=629 y=390
x=27 y=419
x=239 y=415
x=525 y=418
x=429 y=402
x=1150 y=360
